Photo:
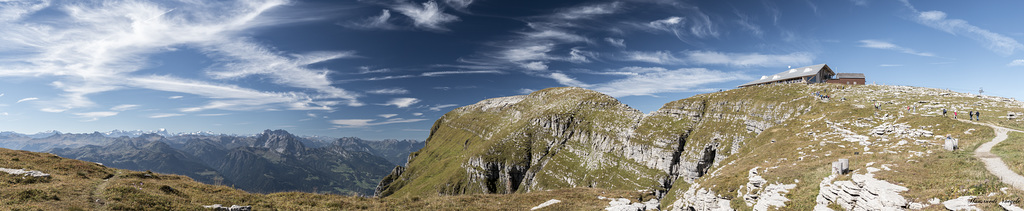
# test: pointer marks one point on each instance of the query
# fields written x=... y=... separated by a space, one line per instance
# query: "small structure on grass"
x=841 y=166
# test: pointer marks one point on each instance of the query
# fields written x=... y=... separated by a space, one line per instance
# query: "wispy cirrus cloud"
x=719 y=58
x=648 y=81
x=390 y=91
x=354 y=123
x=165 y=115
x=428 y=16
x=97 y=47
x=621 y=43
x=689 y=29
x=381 y=21
x=27 y=99
x=995 y=42
x=124 y=107
x=429 y=74
x=1016 y=63
x=439 y=107
x=588 y=11
x=387 y=116
x=93 y=116
x=402 y=102
x=877 y=44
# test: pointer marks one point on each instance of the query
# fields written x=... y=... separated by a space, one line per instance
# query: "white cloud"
x=440 y=73
x=458 y=4
x=745 y=22
x=566 y=80
x=27 y=99
x=719 y=58
x=1016 y=62
x=429 y=16
x=661 y=80
x=252 y=59
x=525 y=91
x=995 y=42
x=230 y=97
x=621 y=43
x=217 y=114
x=657 y=57
x=4 y=114
x=175 y=97
x=696 y=24
x=124 y=107
x=375 y=22
x=93 y=116
x=889 y=46
x=402 y=102
x=368 y=70
x=417 y=114
x=387 y=116
x=666 y=24
x=860 y=2
x=351 y=123
x=748 y=59
x=391 y=91
x=98 y=47
x=439 y=107
x=580 y=56
x=1 y=94
x=165 y=115
x=588 y=11
x=538 y=65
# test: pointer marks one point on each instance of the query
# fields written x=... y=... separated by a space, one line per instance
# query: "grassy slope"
x=1011 y=151
x=80 y=185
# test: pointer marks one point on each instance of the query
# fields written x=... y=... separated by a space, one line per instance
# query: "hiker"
x=972 y=115
x=977 y=116
x=954 y=115
x=943 y=111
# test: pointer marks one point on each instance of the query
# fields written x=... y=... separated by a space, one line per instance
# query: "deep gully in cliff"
x=677 y=154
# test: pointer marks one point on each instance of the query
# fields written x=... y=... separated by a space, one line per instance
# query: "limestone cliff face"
x=573 y=137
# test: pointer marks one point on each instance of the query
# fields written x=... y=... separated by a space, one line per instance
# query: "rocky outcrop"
x=697 y=198
x=623 y=204
x=864 y=192
x=762 y=197
x=961 y=203
x=218 y=207
x=24 y=172
x=385 y=184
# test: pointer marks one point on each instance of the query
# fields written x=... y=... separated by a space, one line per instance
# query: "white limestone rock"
x=547 y=203
x=24 y=172
x=962 y=203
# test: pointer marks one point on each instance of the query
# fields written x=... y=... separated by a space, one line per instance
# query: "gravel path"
x=996 y=165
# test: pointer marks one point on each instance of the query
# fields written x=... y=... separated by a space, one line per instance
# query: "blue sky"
x=388 y=68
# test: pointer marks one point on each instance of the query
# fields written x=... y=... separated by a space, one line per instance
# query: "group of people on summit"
x=975 y=115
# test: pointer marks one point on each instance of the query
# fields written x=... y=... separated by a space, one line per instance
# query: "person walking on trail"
x=954 y=115
x=977 y=115
x=972 y=115
x=943 y=111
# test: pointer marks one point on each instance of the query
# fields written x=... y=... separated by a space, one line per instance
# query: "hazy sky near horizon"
x=381 y=69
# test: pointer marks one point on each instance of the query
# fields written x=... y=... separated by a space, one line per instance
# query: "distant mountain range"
x=272 y=161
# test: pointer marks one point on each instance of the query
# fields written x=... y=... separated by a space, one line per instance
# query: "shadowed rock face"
x=573 y=137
